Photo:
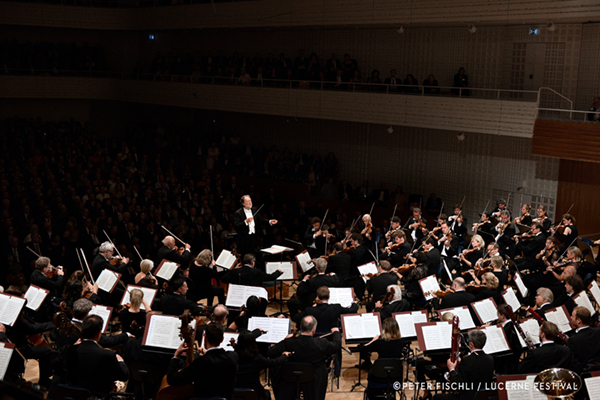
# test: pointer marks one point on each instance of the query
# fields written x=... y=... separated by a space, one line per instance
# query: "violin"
x=474 y=287
x=405 y=268
x=53 y=271
x=442 y=293
x=115 y=260
x=389 y=297
x=501 y=227
x=469 y=252
x=519 y=219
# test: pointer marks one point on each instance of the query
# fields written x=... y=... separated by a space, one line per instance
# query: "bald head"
x=169 y=241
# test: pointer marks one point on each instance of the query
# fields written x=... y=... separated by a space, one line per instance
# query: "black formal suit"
x=89 y=366
x=434 y=259
x=549 y=355
x=246 y=242
x=585 y=345
x=377 y=285
x=448 y=254
x=54 y=285
x=397 y=256
x=105 y=341
x=530 y=249
x=507 y=364
x=248 y=276
x=394 y=307
x=327 y=315
x=341 y=265
x=100 y=264
x=213 y=374
x=505 y=242
x=318 y=242
x=307 y=290
x=487 y=232
x=167 y=253
x=175 y=304
x=476 y=369
x=452 y=300
x=249 y=370
x=306 y=349
x=418 y=231
x=542 y=310
x=360 y=256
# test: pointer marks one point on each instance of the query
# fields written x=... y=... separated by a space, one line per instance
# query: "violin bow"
x=31 y=250
x=87 y=266
x=212 y=250
x=138 y=253
x=174 y=236
x=111 y=242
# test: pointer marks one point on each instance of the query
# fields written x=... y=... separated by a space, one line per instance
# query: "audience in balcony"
x=594 y=115
x=461 y=80
x=431 y=81
x=410 y=81
x=393 y=82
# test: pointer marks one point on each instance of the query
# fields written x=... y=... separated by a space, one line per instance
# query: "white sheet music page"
x=149 y=295
x=517 y=390
x=277 y=328
x=520 y=284
x=465 y=321
x=167 y=270
x=595 y=291
x=107 y=280
x=304 y=261
x=593 y=387
x=163 y=331
x=486 y=309
x=286 y=267
x=226 y=343
x=363 y=326
x=438 y=336
x=532 y=331
x=369 y=268
x=511 y=299
x=103 y=312
x=35 y=297
x=429 y=286
x=10 y=308
x=238 y=294
x=496 y=341
x=406 y=322
x=226 y=259
x=560 y=318
x=5 y=355
x=582 y=300
x=342 y=296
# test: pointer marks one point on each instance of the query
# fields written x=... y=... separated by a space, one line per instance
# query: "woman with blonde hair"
x=202 y=272
x=133 y=318
x=146 y=266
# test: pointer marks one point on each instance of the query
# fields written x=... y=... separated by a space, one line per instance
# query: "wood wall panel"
x=567 y=140
x=276 y=13
x=579 y=184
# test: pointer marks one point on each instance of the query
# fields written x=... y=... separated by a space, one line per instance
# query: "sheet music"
x=517 y=390
x=363 y=326
x=486 y=310
x=496 y=341
x=281 y=248
x=342 y=296
x=511 y=299
x=429 y=285
x=276 y=249
x=103 y=312
x=10 y=308
x=277 y=328
x=367 y=268
x=593 y=387
x=595 y=291
x=583 y=300
x=149 y=295
x=560 y=318
x=438 y=336
x=226 y=259
x=465 y=321
x=304 y=261
x=163 y=331
x=287 y=268
x=520 y=285
x=238 y=294
x=407 y=321
x=532 y=331
x=107 y=280
x=167 y=270
x=226 y=343
x=5 y=355
x=35 y=297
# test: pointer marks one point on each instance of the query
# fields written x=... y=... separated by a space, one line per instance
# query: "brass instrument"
x=558 y=383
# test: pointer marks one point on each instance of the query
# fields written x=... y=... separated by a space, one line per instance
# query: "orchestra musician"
x=549 y=354
x=433 y=257
x=417 y=225
x=485 y=228
x=447 y=245
x=247 y=223
x=458 y=223
x=505 y=365
x=530 y=248
x=412 y=290
x=573 y=286
x=170 y=252
x=315 y=238
x=542 y=218
x=308 y=287
x=468 y=258
x=88 y=365
x=394 y=227
x=247 y=274
x=459 y=298
x=327 y=315
x=500 y=206
x=388 y=307
x=134 y=313
x=525 y=218
x=397 y=249
x=175 y=303
x=202 y=272
x=102 y=262
x=543 y=300
x=39 y=277
x=475 y=371
x=569 y=234
x=505 y=231
x=377 y=285
x=146 y=267
x=585 y=343
x=339 y=262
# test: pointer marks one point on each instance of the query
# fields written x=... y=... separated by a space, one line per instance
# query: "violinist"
x=170 y=252
x=433 y=256
x=133 y=318
x=573 y=258
x=327 y=315
x=484 y=228
x=499 y=270
x=368 y=230
x=394 y=227
x=146 y=267
x=458 y=223
x=459 y=298
x=377 y=285
x=566 y=232
x=392 y=303
x=412 y=290
x=447 y=244
x=102 y=262
x=542 y=218
x=505 y=231
x=468 y=258
x=359 y=254
x=476 y=370
x=530 y=248
x=488 y=287
x=525 y=218
x=387 y=345
x=175 y=303
x=500 y=206
x=74 y=291
x=315 y=238
x=39 y=277
x=308 y=287
x=417 y=226
x=202 y=272
x=397 y=249
x=549 y=255
x=339 y=262
x=251 y=309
